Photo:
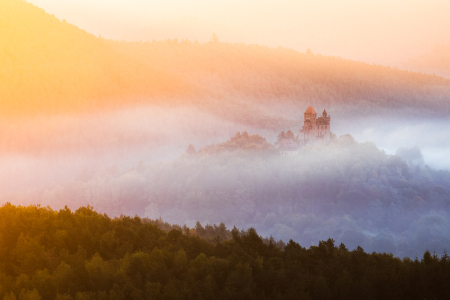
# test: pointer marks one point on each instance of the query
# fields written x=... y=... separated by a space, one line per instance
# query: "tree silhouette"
x=191 y=149
x=214 y=38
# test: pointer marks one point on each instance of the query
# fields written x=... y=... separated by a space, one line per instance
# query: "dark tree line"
x=352 y=192
x=47 y=254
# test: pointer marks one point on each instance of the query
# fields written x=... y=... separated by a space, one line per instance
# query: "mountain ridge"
x=53 y=67
x=435 y=61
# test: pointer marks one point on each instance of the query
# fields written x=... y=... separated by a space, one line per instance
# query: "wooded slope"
x=50 y=66
x=436 y=61
x=352 y=192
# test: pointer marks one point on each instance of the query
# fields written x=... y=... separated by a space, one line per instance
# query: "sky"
x=383 y=31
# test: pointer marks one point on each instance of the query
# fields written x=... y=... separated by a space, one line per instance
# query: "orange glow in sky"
x=383 y=31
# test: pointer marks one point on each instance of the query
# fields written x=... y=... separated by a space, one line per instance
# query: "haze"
x=384 y=32
x=113 y=124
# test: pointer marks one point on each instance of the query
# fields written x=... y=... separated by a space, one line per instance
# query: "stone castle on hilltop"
x=316 y=130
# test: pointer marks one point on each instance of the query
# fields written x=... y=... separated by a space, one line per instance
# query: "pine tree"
x=214 y=38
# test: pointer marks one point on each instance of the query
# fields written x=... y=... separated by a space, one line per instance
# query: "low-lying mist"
x=132 y=162
x=392 y=134
x=42 y=150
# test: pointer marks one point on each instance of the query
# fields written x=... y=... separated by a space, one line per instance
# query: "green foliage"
x=338 y=190
x=177 y=265
x=350 y=191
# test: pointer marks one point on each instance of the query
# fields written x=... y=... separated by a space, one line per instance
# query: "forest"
x=352 y=192
x=92 y=134
x=50 y=66
x=436 y=61
x=82 y=254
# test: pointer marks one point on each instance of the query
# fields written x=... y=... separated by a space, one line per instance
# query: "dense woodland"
x=47 y=254
x=352 y=192
x=50 y=66
x=436 y=61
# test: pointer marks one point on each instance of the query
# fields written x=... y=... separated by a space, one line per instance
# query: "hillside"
x=264 y=86
x=351 y=192
x=49 y=66
x=436 y=61
x=66 y=255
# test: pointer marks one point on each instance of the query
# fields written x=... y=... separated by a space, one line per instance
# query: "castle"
x=315 y=131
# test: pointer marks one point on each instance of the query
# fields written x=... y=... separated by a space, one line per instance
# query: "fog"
x=132 y=161
x=392 y=134
x=43 y=150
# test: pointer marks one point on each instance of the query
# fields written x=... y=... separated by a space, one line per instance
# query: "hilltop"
x=50 y=66
x=352 y=192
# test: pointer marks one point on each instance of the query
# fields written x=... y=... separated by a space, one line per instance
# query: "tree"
x=10 y=296
x=281 y=136
x=199 y=229
x=30 y=254
x=190 y=149
x=214 y=38
x=29 y=295
x=290 y=135
x=342 y=247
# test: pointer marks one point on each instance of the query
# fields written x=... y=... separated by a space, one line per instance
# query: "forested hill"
x=259 y=81
x=51 y=66
x=436 y=61
x=65 y=255
x=349 y=191
x=48 y=66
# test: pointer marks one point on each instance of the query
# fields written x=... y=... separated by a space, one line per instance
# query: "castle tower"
x=310 y=114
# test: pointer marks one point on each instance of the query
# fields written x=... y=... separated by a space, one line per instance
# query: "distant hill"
x=436 y=61
x=260 y=81
x=50 y=66
x=352 y=192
